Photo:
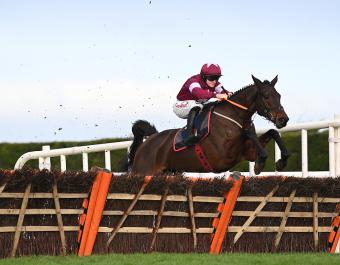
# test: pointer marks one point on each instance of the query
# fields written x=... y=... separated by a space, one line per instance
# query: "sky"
x=86 y=70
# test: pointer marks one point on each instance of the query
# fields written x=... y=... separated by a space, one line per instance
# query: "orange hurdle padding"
x=334 y=235
x=225 y=209
x=82 y=236
x=82 y=219
x=98 y=212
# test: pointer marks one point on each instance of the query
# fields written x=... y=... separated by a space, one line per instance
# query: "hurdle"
x=93 y=212
x=334 y=235
x=225 y=210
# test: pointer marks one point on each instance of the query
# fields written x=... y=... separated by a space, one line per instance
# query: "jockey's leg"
x=192 y=138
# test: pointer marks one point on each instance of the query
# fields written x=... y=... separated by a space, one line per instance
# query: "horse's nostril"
x=282 y=121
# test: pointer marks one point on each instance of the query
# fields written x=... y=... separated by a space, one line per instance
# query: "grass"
x=164 y=259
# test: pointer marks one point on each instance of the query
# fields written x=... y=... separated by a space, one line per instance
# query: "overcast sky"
x=84 y=70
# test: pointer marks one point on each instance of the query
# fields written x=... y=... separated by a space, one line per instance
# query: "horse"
x=232 y=138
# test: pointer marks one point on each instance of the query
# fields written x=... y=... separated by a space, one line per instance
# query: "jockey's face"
x=212 y=83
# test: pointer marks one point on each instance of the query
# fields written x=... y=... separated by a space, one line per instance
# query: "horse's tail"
x=140 y=129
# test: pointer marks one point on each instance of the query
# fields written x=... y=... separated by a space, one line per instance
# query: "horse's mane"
x=240 y=90
x=265 y=82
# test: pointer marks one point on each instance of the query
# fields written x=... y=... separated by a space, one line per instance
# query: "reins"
x=228 y=118
x=233 y=102
x=236 y=104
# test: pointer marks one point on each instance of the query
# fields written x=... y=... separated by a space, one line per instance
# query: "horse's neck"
x=246 y=98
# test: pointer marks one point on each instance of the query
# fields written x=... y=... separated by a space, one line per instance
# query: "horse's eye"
x=266 y=96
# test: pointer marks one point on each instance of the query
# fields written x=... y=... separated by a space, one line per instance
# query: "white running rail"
x=333 y=127
x=45 y=155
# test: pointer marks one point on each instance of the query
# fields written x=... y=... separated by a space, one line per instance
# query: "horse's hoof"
x=257 y=170
x=280 y=164
x=259 y=165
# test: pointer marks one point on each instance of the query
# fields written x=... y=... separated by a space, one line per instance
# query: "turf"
x=163 y=259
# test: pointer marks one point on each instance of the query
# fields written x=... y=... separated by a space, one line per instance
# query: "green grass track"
x=160 y=258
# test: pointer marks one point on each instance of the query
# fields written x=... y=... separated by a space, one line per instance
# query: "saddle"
x=201 y=128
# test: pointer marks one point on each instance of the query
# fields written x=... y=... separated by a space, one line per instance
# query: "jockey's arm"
x=200 y=93
x=221 y=90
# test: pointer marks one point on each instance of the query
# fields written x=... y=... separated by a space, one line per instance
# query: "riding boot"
x=192 y=138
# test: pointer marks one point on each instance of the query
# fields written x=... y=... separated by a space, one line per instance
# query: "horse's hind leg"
x=274 y=134
x=145 y=163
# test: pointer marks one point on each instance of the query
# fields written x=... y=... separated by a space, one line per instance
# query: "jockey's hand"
x=230 y=94
x=222 y=96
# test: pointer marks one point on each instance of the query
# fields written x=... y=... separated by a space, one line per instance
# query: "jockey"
x=197 y=90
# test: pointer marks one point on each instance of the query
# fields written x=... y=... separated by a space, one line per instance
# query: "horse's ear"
x=256 y=81
x=273 y=82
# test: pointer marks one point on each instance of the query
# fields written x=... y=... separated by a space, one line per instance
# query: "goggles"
x=213 y=77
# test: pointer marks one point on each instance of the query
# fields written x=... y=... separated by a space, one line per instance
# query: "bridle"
x=266 y=110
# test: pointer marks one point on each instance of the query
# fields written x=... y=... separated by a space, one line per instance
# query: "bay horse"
x=232 y=138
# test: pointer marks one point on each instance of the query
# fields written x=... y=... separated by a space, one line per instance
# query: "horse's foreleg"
x=274 y=134
x=261 y=153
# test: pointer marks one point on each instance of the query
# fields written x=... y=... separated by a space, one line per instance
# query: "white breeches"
x=182 y=108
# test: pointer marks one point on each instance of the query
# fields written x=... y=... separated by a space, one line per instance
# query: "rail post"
x=45 y=162
x=304 y=153
x=337 y=145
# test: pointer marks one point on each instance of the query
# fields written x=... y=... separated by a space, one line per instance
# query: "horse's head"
x=268 y=102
